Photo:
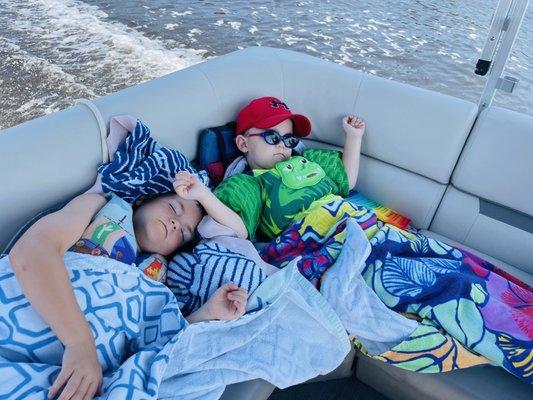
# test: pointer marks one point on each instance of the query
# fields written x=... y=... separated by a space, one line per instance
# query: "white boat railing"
x=504 y=28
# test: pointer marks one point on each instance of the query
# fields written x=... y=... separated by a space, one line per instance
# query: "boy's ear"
x=242 y=143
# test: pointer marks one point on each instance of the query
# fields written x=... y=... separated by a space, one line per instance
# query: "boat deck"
x=339 y=389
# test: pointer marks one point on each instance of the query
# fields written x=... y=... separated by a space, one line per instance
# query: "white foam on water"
x=32 y=86
x=171 y=27
x=180 y=14
x=290 y=40
x=253 y=29
x=66 y=49
x=77 y=32
x=235 y=25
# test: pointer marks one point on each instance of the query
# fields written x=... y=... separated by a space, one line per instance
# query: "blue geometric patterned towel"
x=146 y=348
x=142 y=166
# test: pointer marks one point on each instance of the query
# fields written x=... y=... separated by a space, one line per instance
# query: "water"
x=55 y=51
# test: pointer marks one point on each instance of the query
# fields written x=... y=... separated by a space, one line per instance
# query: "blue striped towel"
x=142 y=166
x=193 y=277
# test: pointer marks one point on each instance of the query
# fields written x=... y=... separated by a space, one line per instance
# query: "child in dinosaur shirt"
x=281 y=187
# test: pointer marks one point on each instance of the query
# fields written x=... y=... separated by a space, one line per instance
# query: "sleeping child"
x=109 y=227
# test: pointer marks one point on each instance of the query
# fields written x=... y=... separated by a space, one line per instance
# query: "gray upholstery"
x=459 y=219
x=498 y=160
x=477 y=383
x=387 y=183
x=489 y=206
x=256 y=389
x=45 y=161
x=415 y=129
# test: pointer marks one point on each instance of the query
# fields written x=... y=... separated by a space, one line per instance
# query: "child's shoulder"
x=237 y=184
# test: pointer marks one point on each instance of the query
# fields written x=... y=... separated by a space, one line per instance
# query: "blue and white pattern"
x=193 y=277
x=146 y=348
x=131 y=317
x=142 y=166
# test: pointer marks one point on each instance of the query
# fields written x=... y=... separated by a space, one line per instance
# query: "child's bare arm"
x=37 y=261
x=354 y=128
x=188 y=186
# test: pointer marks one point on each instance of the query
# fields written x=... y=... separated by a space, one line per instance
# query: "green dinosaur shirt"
x=271 y=199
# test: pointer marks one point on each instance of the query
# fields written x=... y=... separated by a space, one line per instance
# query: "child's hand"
x=228 y=302
x=353 y=125
x=81 y=373
x=188 y=186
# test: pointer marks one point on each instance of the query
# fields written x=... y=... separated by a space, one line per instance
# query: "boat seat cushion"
x=489 y=207
x=28 y=224
x=408 y=128
x=496 y=160
x=476 y=383
x=46 y=161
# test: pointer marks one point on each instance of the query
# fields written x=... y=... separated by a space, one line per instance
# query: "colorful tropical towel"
x=469 y=312
x=317 y=238
x=459 y=293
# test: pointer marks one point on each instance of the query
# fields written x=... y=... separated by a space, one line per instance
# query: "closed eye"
x=173 y=209
x=176 y=207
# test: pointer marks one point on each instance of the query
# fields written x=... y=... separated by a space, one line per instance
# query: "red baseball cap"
x=266 y=112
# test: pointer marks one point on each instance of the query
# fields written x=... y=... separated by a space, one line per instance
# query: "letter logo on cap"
x=276 y=104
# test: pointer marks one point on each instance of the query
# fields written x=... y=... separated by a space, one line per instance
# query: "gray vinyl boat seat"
x=463 y=180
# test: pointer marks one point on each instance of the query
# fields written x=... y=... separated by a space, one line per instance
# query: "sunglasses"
x=273 y=137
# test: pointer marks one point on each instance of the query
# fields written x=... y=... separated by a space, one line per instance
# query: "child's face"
x=259 y=153
x=164 y=224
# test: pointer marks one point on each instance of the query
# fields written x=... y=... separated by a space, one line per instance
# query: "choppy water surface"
x=55 y=51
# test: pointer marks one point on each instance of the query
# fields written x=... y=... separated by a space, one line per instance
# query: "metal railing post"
x=503 y=31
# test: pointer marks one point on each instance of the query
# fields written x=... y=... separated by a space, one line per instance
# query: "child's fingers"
x=181 y=190
x=178 y=185
x=241 y=309
x=237 y=296
x=183 y=174
x=237 y=309
x=182 y=184
x=230 y=286
x=182 y=179
x=239 y=291
x=233 y=308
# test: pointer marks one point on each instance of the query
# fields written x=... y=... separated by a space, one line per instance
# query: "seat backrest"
x=489 y=205
x=44 y=162
x=414 y=135
x=413 y=140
